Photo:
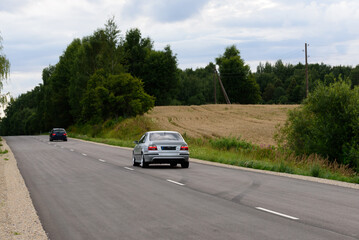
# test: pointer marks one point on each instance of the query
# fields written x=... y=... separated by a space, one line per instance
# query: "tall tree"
x=160 y=75
x=239 y=83
x=136 y=50
x=354 y=76
x=4 y=71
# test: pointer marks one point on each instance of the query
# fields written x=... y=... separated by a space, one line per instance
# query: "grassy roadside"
x=233 y=151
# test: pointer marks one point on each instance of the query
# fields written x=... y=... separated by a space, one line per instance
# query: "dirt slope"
x=254 y=123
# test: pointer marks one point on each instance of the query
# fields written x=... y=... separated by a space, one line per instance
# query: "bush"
x=326 y=124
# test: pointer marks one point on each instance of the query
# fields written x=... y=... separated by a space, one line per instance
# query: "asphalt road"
x=83 y=190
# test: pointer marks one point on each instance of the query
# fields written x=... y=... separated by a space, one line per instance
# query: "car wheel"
x=134 y=163
x=173 y=164
x=185 y=165
x=51 y=140
x=143 y=164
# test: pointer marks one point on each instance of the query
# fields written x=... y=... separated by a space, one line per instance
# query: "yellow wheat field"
x=254 y=123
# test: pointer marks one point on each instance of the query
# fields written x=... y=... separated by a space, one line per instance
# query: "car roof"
x=162 y=132
x=58 y=129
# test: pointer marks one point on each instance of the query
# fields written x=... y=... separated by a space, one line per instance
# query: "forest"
x=109 y=76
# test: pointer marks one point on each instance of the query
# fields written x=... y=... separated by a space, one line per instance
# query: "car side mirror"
x=135 y=142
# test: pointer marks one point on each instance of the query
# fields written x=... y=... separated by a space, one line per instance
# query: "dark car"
x=158 y=147
x=58 y=134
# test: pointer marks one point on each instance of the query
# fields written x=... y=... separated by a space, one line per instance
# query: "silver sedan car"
x=157 y=147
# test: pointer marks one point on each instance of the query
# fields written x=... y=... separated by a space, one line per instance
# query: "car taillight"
x=53 y=134
x=184 y=147
x=152 y=148
x=64 y=134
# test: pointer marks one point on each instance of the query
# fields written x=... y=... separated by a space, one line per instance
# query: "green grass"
x=232 y=151
x=4 y=151
x=268 y=158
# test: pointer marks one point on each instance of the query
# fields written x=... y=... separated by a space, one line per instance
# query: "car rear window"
x=165 y=136
x=59 y=131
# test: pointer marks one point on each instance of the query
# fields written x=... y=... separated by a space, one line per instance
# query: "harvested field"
x=254 y=123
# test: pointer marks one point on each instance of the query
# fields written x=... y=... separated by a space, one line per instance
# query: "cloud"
x=164 y=11
x=21 y=82
x=35 y=33
x=11 y=5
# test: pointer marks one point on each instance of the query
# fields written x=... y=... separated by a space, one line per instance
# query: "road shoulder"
x=18 y=216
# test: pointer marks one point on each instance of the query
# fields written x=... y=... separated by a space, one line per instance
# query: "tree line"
x=108 y=76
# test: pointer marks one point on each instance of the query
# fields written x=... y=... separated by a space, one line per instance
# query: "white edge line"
x=131 y=169
x=181 y=184
x=277 y=213
x=102 y=160
x=84 y=154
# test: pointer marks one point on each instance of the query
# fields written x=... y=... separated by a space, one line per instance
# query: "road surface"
x=83 y=190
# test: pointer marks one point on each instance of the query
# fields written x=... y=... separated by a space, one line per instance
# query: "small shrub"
x=315 y=171
x=283 y=167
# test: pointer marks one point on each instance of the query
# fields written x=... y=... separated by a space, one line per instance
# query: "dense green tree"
x=279 y=93
x=21 y=117
x=326 y=124
x=196 y=86
x=161 y=78
x=268 y=94
x=354 y=76
x=239 y=83
x=111 y=96
x=263 y=79
x=136 y=49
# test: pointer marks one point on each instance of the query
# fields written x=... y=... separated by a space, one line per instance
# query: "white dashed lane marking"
x=178 y=183
x=84 y=154
x=277 y=213
x=131 y=169
x=101 y=160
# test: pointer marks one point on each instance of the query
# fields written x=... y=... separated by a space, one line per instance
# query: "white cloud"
x=21 y=82
x=37 y=32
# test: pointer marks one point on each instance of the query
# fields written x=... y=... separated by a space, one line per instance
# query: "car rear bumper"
x=58 y=138
x=155 y=158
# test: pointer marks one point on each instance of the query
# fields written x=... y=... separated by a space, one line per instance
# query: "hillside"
x=254 y=123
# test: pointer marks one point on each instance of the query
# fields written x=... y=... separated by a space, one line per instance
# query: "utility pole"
x=223 y=90
x=306 y=70
x=215 y=86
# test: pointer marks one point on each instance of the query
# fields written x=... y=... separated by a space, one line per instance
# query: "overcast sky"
x=36 y=32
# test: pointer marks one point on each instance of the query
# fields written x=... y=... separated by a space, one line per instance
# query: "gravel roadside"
x=18 y=217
